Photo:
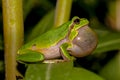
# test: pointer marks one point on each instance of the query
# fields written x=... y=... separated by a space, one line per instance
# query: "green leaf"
x=59 y=71
x=108 y=41
x=111 y=71
x=45 y=24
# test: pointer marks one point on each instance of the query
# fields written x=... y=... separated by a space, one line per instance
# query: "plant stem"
x=13 y=34
x=62 y=14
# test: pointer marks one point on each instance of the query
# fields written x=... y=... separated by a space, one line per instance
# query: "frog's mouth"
x=84 y=43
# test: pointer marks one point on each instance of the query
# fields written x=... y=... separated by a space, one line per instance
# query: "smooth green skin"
x=49 y=39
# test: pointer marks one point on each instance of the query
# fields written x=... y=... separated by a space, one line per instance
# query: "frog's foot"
x=64 y=52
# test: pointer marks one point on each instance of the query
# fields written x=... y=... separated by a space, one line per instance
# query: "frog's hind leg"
x=30 y=56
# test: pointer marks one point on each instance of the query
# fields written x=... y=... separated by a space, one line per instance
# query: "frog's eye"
x=77 y=21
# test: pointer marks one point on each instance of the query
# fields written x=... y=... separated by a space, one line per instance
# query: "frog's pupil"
x=77 y=21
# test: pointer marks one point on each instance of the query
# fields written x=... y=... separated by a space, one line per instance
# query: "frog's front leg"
x=30 y=56
x=65 y=53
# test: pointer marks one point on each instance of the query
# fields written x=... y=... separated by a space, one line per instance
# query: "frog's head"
x=79 y=22
x=85 y=40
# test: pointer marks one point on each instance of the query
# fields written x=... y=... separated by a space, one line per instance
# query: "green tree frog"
x=72 y=39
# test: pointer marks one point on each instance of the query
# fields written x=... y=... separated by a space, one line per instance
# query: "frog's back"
x=50 y=38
